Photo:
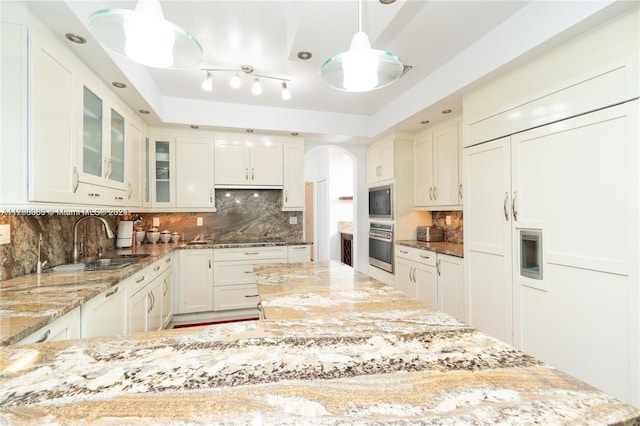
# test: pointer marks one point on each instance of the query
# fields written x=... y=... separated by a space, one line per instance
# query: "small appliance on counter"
x=430 y=234
x=125 y=234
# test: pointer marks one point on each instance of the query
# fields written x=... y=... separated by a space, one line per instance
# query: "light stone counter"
x=444 y=247
x=336 y=348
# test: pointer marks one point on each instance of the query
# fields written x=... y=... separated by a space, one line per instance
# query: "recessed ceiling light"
x=193 y=126
x=446 y=111
x=249 y=130
x=304 y=55
x=143 y=111
x=119 y=85
x=75 y=38
x=294 y=133
x=424 y=122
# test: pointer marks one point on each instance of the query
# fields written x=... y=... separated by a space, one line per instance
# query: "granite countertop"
x=452 y=249
x=337 y=347
x=32 y=301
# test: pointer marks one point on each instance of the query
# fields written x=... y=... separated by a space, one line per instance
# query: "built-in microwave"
x=381 y=202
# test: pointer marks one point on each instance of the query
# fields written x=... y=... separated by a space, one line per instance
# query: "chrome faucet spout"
x=110 y=234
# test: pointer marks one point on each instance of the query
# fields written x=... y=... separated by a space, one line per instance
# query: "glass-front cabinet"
x=102 y=151
x=160 y=172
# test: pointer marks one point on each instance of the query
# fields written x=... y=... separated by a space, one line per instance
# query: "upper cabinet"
x=293 y=189
x=380 y=161
x=160 y=168
x=436 y=165
x=194 y=172
x=248 y=163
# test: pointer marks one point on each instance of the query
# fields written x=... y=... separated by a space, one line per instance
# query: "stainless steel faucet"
x=76 y=256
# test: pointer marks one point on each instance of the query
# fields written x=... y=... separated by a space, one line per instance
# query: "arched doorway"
x=330 y=176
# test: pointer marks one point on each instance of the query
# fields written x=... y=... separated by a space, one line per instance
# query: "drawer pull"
x=112 y=292
x=156 y=269
x=139 y=280
x=251 y=253
x=424 y=257
x=44 y=337
x=252 y=295
x=248 y=272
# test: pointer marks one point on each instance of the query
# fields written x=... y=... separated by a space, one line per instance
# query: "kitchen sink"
x=114 y=262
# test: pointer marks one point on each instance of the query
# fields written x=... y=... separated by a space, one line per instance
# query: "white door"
x=404 y=276
x=487 y=237
x=423 y=171
x=154 y=308
x=445 y=147
x=196 y=281
x=138 y=311
x=266 y=164
x=426 y=284
x=574 y=179
x=106 y=314
x=322 y=216
x=194 y=166
x=451 y=286
x=133 y=165
x=232 y=163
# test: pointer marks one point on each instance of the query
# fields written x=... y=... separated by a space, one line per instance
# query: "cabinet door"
x=196 y=281
x=426 y=278
x=167 y=297
x=373 y=164
x=293 y=179
x=299 y=253
x=266 y=164
x=106 y=314
x=404 y=276
x=451 y=286
x=487 y=238
x=133 y=164
x=53 y=173
x=154 y=307
x=445 y=161
x=94 y=161
x=65 y=328
x=194 y=168
x=387 y=161
x=138 y=305
x=163 y=174
x=423 y=171
x=232 y=163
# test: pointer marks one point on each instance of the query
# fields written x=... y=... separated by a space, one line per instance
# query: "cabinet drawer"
x=64 y=328
x=404 y=252
x=278 y=254
x=232 y=273
x=235 y=297
x=426 y=257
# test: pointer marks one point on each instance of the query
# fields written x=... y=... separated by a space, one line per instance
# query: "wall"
x=240 y=216
x=243 y=214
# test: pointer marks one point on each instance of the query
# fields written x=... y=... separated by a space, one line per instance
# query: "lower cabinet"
x=195 y=281
x=433 y=278
x=146 y=303
x=106 y=314
x=64 y=328
x=299 y=253
x=234 y=285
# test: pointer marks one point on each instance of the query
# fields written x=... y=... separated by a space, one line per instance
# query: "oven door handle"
x=380 y=238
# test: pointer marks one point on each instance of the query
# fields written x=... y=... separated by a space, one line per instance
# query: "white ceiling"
x=451 y=46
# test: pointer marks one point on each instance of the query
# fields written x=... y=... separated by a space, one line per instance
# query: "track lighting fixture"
x=236 y=80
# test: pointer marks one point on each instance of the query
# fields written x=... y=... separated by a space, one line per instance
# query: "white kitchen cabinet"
x=381 y=161
x=166 y=280
x=53 y=172
x=147 y=289
x=451 y=298
x=195 y=283
x=436 y=167
x=101 y=147
x=106 y=314
x=161 y=171
x=133 y=172
x=194 y=173
x=293 y=176
x=64 y=328
x=545 y=179
x=248 y=163
x=416 y=274
x=299 y=253
x=234 y=283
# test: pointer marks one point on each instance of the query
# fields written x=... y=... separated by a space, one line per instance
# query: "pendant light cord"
x=359 y=15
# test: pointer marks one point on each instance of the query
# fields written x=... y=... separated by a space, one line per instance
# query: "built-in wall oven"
x=381 y=246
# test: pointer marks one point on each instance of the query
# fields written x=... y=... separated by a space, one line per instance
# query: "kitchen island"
x=335 y=347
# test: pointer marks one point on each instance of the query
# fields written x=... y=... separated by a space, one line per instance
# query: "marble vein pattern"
x=345 y=364
x=451 y=249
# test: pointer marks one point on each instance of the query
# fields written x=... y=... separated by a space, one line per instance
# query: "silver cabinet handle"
x=139 y=280
x=44 y=337
x=156 y=268
x=166 y=287
x=111 y=293
x=150 y=298
x=403 y=252
x=76 y=177
x=253 y=174
x=460 y=191
x=129 y=190
x=438 y=266
x=210 y=195
x=252 y=295
x=286 y=196
x=246 y=173
x=424 y=256
x=431 y=193
x=435 y=193
x=105 y=167
x=119 y=198
x=504 y=206
x=252 y=253
x=514 y=207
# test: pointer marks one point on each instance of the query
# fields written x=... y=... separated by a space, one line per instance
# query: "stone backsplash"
x=241 y=215
x=452 y=233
